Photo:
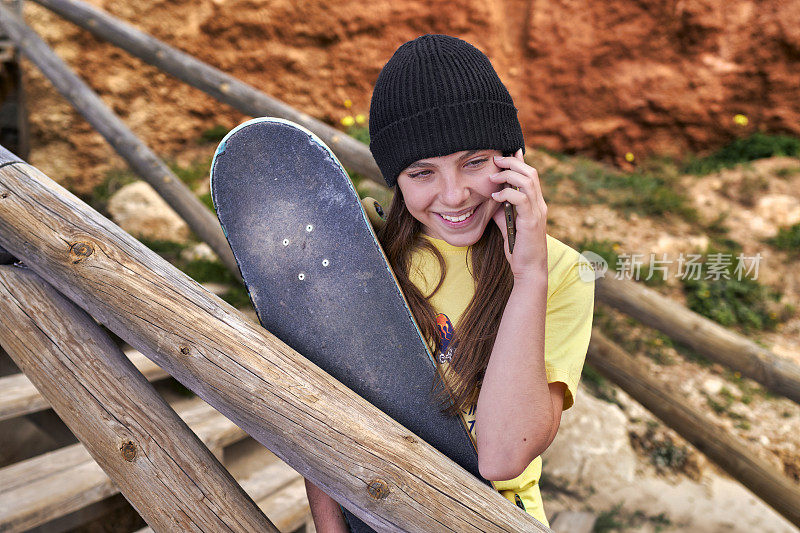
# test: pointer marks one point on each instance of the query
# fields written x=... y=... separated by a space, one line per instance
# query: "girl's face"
x=451 y=195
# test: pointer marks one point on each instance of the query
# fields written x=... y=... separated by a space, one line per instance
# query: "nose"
x=454 y=189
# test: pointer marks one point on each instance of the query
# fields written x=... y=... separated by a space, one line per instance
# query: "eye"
x=420 y=174
x=478 y=162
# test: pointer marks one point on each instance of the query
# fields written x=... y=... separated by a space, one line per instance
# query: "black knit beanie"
x=438 y=95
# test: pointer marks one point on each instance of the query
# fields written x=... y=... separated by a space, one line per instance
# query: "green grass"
x=192 y=175
x=732 y=302
x=101 y=193
x=604 y=248
x=610 y=520
x=787 y=171
x=619 y=519
x=599 y=386
x=756 y=146
x=649 y=190
x=788 y=238
x=359 y=132
x=201 y=270
x=667 y=455
x=651 y=343
x=214 y=134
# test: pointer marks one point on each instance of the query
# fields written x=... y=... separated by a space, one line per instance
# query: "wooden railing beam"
x=157 y=462
x=776 y=489
x=706 y=337
x=325 y=431
x=140 y=157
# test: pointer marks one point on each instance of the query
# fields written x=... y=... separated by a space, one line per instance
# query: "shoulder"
x=564 y=264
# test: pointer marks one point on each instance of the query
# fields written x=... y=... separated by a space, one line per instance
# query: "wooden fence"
x=323 y=430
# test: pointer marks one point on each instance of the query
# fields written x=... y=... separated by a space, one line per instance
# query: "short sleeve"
x=568 y=321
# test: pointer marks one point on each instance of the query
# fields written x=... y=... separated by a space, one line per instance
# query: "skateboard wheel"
x=309 y=228
x=379 y=210
x=325 y=262
x=301 y=276
x=286 y=242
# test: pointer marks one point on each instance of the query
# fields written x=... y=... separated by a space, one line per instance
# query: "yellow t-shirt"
x=568 y=323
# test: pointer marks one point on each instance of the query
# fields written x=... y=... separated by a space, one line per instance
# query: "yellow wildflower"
x=360 y=118
x=348 y=103
x=629 y=157
x=737 y=375
x=740 y=119
x=348 y=121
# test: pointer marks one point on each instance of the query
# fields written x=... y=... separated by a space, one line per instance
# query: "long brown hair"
x=477 y=328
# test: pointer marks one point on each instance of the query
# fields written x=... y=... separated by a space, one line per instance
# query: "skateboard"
x=319 y=280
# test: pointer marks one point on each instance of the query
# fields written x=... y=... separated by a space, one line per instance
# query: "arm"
x=328 y=517
x=518 y=412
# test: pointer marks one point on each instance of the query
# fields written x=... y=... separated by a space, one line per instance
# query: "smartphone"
x=511 y=217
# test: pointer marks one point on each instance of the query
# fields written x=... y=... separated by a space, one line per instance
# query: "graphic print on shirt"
x=445 y=329
x=445 y=355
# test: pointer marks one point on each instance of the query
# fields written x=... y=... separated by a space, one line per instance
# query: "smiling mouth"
x=458 y=218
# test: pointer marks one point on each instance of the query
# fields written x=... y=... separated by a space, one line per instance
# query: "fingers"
x=510 y=195
x=517 y=173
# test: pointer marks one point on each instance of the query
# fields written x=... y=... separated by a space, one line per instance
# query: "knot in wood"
x=128 y=450
x=378 y=489
x=78 y=251
x=185 y=350
x=3 y=194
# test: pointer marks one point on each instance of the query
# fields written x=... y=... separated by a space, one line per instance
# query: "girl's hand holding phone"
x=525 y=194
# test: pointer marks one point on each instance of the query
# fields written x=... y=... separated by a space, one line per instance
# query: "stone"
x=199 y=251
x=712 y=386
x=592 y=446
x=138 y=209
x=779 y=209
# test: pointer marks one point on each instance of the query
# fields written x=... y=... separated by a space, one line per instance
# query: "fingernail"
x=497 y=157
x=494 y=194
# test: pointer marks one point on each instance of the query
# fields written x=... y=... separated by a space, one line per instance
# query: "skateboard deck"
x=319 y=280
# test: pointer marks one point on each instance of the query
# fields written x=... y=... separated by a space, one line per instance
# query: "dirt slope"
x=600 y=78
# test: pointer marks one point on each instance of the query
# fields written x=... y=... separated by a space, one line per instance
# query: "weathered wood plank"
x=18 y=396
x=352 y=153
x=311 y=421
x=715 y=442
x=160 y=466
x=706 y=337
x=271 y=481
x=43 y=488
x=141 y=159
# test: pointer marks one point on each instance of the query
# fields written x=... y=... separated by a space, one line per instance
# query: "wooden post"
x=365 y=460
x=160 y=466
x=706 y=337
x=754 y=473
x=14 y=130
x=141 y=159
x=227 y=89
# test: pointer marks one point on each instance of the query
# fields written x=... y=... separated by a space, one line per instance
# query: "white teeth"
x=465 y=216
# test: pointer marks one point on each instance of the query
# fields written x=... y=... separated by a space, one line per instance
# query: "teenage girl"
x=509 y=329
